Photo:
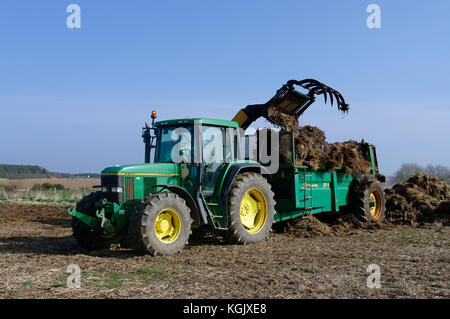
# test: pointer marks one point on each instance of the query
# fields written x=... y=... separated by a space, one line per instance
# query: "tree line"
x=22 y=171
x=408 y=170
x=12 y=171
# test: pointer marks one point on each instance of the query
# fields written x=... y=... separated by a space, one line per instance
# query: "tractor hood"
x=131 y=182
x=147 y=169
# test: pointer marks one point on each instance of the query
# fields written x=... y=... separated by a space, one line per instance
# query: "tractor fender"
x=190 y=202
x=233 y=172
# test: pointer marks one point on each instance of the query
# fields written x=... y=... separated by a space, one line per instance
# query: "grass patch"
x=406 y=237
x=111 y=285
x=58 y=285
x=115 y=280
x=88 y=278
x=85 y=275
x=63 y=277
x=117 y=277
x=28 y=283
x=150 y=271
x=148 y=274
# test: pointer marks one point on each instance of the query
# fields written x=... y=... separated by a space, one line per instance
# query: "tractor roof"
x=203 y=121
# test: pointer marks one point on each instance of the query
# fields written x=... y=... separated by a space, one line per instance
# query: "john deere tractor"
x=203 y=173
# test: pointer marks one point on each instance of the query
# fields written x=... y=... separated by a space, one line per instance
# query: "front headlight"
x=116 y=189
x=104 y=189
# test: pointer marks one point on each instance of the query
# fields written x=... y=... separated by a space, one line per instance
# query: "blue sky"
x=74 y=100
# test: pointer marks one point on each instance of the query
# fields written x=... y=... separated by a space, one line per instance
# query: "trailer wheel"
x=86 y=237
x=160 y=225
x=251 y=209
x=367 y=200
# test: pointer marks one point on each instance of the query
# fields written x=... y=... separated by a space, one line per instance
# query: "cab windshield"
x=175 y=144
x=168 y=137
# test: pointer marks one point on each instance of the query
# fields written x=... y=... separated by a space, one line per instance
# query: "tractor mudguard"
x=198 y=215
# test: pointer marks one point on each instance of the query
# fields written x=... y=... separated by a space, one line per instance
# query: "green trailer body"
x=299 y=190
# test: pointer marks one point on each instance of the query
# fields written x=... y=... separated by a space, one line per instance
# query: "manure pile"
x=312 y=150
x=422 y=198
x=329 y=225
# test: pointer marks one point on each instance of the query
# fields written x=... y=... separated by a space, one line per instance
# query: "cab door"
x=214 y=155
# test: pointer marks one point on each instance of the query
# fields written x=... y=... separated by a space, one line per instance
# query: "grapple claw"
x=290 y=101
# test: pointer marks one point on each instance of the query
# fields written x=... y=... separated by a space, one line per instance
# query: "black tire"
x=237 y=232
x=360 y=203
x=87 y=237
x=142 y=234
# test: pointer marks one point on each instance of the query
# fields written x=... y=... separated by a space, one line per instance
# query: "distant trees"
x=408 y=170
x=441 y=171
x=33 y=171
x=36 y=187
x=22 y=171
x=47 y=186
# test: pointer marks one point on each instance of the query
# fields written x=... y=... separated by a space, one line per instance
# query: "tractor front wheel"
x=251 y=209
x=160 y=225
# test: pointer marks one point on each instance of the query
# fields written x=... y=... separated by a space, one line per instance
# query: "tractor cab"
x=201 y=147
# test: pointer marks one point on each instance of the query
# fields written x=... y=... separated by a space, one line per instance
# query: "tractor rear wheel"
x=251 y=209
x=88 y=238
x=160 y=225
x=367 y=200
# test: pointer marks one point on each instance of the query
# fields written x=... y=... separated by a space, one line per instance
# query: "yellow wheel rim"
x=375 y=204
x=253 y=210
x=168 y=226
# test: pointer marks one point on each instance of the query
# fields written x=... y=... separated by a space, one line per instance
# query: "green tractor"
x=205 y=172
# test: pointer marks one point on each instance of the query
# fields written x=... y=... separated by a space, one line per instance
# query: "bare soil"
x=36 y=246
